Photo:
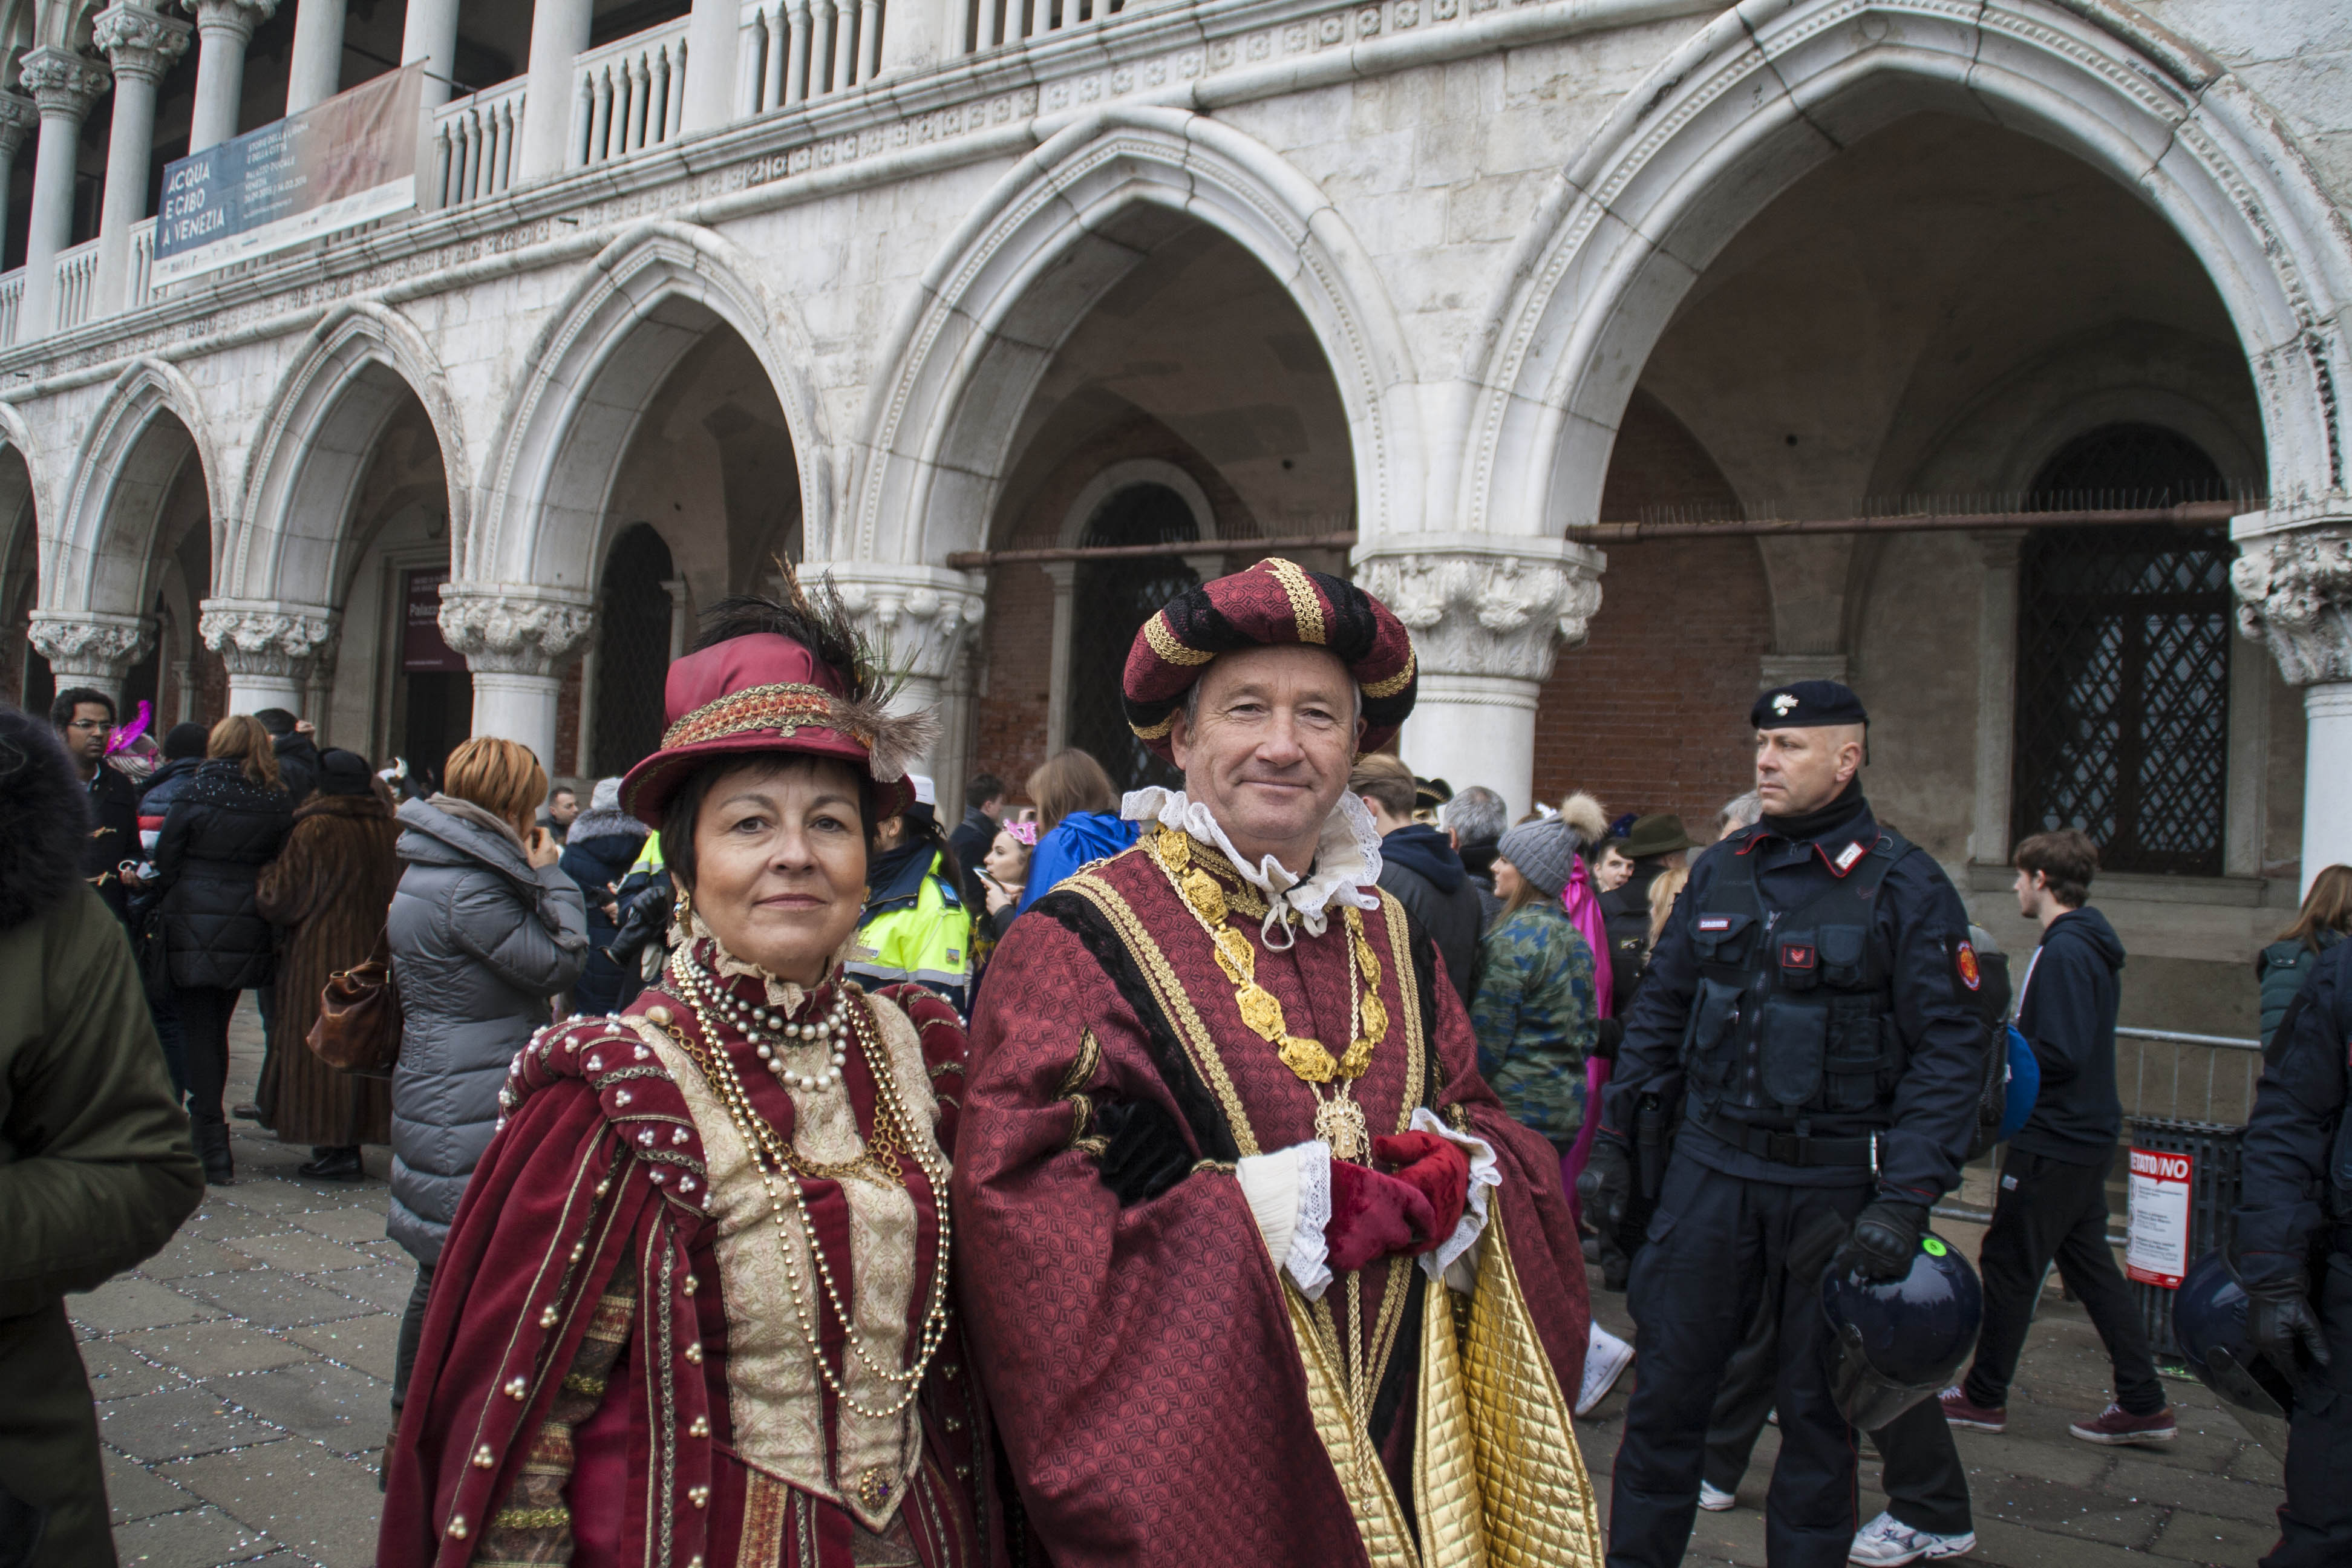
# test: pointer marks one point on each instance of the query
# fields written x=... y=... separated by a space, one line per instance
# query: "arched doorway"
x=1118 y=596
x=636 y=612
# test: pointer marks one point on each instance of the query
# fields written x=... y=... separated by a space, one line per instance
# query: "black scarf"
x=1824 y=819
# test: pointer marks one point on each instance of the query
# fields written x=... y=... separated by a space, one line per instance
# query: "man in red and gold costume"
x=1256 y=1269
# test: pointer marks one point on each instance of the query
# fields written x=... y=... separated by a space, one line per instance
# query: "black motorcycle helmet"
x=2209 y=1320
x=1897 y=1341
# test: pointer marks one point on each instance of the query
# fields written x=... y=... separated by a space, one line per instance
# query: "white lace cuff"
x=1461 y=1247
x=1289 y=1194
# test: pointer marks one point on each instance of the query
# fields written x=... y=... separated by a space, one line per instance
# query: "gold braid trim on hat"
x=1164 y=643
x=785 y=706
x=1154 y=731
x=1305 y=607
x=1377 y=690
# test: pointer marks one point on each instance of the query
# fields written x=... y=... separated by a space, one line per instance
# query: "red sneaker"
x=1958 y=1412
x=2116 y=1425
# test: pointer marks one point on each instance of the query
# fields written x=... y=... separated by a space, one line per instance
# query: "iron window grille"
x=2123 y=671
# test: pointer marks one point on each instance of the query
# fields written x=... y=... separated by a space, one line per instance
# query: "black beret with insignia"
x=1807 y=705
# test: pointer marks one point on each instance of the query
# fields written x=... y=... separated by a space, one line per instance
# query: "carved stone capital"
x=508 y=629
x=63 y=82
x=88 y=648
x=267 y=637
x=141 y=43
x=18 y=116
x=1483 y=604
x=2294 y=593
x=238 y=17
x=916 y=617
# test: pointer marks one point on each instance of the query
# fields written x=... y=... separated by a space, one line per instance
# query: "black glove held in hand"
x=2279 y=1320
x=1147 y=1154
x=1884 y=1237
x=1606 y=1186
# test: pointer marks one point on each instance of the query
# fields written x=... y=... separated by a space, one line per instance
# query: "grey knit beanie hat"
x=1544 y=851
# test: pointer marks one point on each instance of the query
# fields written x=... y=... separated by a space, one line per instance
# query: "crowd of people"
x=791 y=1177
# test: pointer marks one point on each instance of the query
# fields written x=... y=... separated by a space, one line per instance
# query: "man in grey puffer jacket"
x=485 y=929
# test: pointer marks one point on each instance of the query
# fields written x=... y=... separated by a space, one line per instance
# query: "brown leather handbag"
x=360 y=1020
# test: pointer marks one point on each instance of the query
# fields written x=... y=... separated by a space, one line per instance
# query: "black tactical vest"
x=1794 y=1019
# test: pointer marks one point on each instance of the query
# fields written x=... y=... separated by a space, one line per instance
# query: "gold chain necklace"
x=1339 y=1120
x=771 y=1158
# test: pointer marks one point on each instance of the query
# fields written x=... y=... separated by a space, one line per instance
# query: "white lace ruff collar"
x=1346 y=863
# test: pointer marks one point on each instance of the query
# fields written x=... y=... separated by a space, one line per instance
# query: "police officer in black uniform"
x=2294 y=1256
x=1808 y=1022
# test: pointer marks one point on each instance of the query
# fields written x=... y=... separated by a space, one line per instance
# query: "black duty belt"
x=1793 y=1149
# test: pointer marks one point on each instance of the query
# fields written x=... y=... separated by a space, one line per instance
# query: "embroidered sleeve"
x=533 y=1523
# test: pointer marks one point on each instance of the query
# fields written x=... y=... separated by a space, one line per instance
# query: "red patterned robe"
x=612 y=1370
x=1143 y=1362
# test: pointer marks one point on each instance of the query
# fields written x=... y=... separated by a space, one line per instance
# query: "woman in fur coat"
x=328 y=892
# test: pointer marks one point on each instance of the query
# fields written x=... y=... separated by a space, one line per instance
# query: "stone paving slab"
x=321 y=1506
x=365 y=1344
x=274 y=1299
x=211 y=1350
x=345 y=1410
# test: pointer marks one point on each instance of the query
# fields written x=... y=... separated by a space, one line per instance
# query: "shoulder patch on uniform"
x=1967 y=960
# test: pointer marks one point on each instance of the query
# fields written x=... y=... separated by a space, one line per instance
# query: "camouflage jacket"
x=1536 y=1018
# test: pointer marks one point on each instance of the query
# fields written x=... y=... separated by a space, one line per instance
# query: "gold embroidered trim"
x=1305 y=607
x=592 y=1387
x=1167 y=990
x=783 y=707
x=552 y=1518
x=1163 y=638
x=1376 y=690
x=1153 y=732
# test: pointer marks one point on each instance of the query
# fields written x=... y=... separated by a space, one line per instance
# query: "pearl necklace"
x=784 y=1032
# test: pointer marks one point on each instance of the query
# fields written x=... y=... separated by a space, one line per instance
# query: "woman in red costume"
x=694 y=1310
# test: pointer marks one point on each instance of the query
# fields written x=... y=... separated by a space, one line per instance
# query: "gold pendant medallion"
x=1339 y=1122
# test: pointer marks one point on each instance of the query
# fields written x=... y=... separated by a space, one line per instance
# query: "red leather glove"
x=1438 y=1169
x=1372 y=1215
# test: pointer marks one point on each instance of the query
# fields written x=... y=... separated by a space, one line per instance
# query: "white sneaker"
x=1887 y=1543
x=1713 y=1498
x=1606 y=1357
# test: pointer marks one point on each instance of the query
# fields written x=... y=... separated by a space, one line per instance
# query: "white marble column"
x=183 y=690
x=710 y=49
x=2294 y=593
x=269 y=646
x=430 y=33
x=90 y=647
x=558 y=32
x=316 y=72
x=515 y=638
x=142 y=44
x=19 y=119
x=64 y=84
x=1989 y=832
x=1486 y=614
x=916 y=618
x=223 y=28
x=1064 y=575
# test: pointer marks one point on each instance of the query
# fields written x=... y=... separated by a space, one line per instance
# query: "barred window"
x=1111 y=600
x=2123 y=667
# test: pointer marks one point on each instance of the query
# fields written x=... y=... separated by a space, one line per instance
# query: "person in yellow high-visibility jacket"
x=916 y=927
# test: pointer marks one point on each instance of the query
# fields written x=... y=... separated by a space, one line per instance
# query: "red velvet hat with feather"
x=768 y=678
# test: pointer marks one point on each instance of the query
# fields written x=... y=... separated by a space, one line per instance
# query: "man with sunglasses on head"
x=83 y=717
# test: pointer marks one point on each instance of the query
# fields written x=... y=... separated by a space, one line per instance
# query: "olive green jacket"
x=96 y=1166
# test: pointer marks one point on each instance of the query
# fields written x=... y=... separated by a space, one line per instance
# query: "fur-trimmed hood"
x=44 y=819
x=605 y=822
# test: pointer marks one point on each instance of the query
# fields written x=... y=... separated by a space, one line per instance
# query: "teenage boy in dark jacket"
x=2051 y=1203
x=1419 y=866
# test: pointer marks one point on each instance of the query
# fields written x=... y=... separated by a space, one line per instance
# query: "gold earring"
x=684 y=908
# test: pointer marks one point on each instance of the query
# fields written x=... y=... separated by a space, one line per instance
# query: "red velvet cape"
x=1140 y=1362
x=588 y=1187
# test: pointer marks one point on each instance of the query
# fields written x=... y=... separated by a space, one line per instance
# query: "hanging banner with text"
x=345 y=161
x=2157 y=1251
x=423 y=650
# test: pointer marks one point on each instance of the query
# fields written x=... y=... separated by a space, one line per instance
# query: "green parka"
x=96 y=1166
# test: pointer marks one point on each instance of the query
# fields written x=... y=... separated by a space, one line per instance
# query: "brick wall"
x=1651 y=713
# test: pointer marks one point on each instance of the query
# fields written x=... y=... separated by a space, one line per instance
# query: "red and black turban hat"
x=1274 y=603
